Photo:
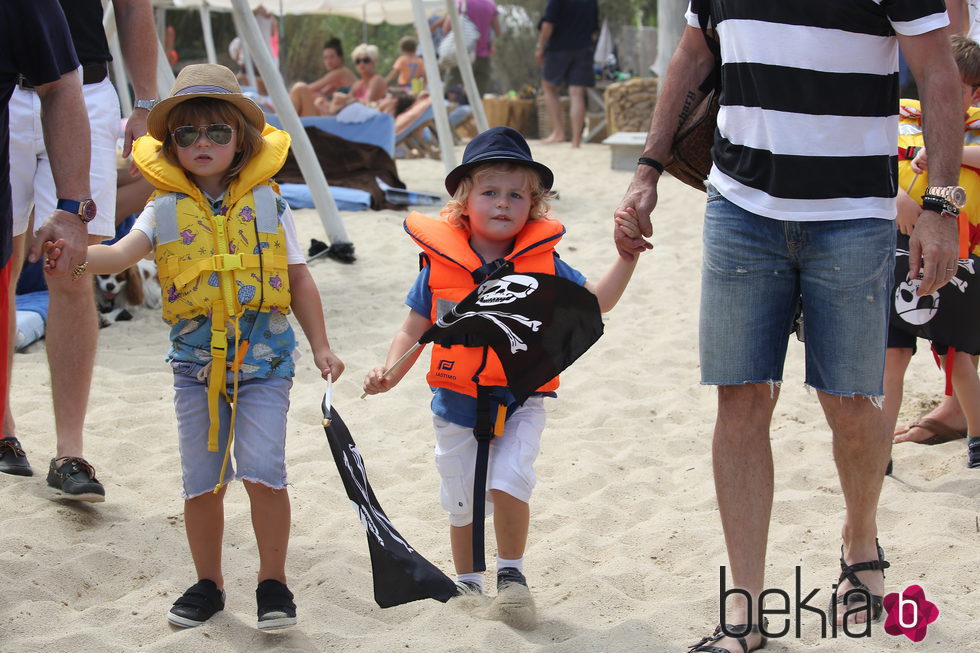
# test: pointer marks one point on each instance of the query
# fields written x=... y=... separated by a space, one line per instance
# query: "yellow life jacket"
x=910 y=136
x=452 y=264
x=219 y=265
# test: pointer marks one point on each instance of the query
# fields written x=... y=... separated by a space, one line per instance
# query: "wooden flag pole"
x=398 y=363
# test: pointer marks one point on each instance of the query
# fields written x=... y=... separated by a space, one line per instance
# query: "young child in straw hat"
x=230 y=270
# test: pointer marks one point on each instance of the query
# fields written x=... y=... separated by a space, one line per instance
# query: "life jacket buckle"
x=223 y=262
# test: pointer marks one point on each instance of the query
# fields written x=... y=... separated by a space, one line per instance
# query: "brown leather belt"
x=92 y=73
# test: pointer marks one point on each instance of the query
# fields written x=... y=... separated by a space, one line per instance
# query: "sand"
x=625 y=543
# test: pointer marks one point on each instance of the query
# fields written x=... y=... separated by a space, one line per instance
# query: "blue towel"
x=347 y=199
x=378 y=130
x=36 y=302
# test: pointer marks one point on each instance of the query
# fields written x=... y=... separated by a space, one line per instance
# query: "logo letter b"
x=902 y=602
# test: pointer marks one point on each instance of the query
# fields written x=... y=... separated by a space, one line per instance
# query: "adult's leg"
x=552 y=104
x=270 y=521
x=71 y=335
x=862 y=447
x=948 y=412
x=743 y=471
x=303 y=100
x=576 y=95
x=204 y=522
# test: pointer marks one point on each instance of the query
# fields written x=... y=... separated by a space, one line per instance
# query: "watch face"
x=87 y=210
x=958 y=197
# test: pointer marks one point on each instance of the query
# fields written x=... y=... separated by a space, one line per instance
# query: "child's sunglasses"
x=218 y=134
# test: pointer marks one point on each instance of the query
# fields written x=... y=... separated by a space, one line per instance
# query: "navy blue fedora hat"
x=497 y=144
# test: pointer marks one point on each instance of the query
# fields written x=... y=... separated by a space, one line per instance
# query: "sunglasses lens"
x=219 y=134
x=364 y=60
x=185 y=136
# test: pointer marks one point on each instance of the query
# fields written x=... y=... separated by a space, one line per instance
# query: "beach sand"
x=625 y=543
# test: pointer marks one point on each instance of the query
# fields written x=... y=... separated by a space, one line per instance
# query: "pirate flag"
x=949 y=316
x=537 y=324
x=400 y=574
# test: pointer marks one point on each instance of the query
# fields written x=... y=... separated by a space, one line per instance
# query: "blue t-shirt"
x=34 y=42
x=454 y=406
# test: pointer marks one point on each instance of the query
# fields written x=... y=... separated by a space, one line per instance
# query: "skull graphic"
x=912 y=308
x=505 y=290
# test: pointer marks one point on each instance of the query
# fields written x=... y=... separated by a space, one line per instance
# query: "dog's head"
x=128 y=284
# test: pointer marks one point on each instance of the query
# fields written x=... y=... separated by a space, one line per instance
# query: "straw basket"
x=512 y=112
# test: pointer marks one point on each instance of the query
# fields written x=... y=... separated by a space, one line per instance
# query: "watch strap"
x=939 y=205
x=145 y=104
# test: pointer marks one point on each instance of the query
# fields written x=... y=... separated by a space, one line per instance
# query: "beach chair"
x=419 y=138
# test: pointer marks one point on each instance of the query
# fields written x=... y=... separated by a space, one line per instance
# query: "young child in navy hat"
x=498 y=213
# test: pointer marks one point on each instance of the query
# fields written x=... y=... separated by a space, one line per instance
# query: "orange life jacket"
x=452 y=263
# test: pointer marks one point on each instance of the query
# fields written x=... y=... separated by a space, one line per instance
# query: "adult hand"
x=539 y=56
x=640 y=200
x=68 y=228
x=135 y=127
x=933 y=251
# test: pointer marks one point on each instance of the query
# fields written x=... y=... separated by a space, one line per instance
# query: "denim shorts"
x=755 y=273
x=259 y=449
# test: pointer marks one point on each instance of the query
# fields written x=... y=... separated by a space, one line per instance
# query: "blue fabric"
x=377 y=130
x=36 y=302
x=453 y=406
x=347 y=199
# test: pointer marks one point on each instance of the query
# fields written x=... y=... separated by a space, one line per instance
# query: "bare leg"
x=966 y=384
x=303 y=100
x=204 y=521
x=896 y=362
x=461 y=542
x=948 y=412
x=862 y=446
x=743 y=470
x=553 y=106
x=511 y=521
x=71 y=334
x=270 y=521
x=576 y=95
x=16 y=265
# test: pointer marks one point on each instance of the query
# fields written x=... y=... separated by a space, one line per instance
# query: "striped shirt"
x=809 y=104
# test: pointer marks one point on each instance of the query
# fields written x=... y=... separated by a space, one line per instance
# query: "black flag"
x=537 y=324
x=950 y=316
x=400 y=574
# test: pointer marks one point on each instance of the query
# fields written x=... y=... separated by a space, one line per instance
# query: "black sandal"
x=738 y=632
x=859 y=592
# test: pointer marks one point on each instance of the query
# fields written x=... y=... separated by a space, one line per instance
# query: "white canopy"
x=396 y=12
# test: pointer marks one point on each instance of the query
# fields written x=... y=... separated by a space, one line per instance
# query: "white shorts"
x=511 y=466
x=31 y=182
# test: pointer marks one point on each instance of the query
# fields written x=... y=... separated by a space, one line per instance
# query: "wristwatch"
x=84 y=209
x=954 y=195
x=145 y=104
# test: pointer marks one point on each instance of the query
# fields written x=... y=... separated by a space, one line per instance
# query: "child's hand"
x=628 y=228
x=920 y=163
x=52 y=252
x=375 y=382
x=329 y=364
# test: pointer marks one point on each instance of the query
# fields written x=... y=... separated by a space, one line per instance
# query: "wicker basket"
x=512 y=112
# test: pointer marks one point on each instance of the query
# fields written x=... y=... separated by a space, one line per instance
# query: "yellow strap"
x=498 y=425
x=185 y=272
x=216 y=379
x=234 y=406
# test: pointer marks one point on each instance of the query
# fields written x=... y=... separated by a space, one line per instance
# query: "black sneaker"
x=74 y=479
x=509 y=576
x=13 y=460
x=200 y=602
x=468 y=588
x=276 y=608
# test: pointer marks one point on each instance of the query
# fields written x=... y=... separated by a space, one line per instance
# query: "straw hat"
x=203 y=80
x=498 y=144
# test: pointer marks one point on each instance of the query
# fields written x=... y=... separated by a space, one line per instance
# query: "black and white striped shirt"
x=808 y=125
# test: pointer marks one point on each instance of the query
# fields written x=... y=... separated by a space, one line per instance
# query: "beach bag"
x=446 y=54
x=690 y=153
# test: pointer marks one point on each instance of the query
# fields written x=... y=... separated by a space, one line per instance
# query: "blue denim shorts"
x=755 y=273
x=259 y=449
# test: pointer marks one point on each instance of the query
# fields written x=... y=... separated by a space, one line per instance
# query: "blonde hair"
x=365 y=50
x=201 y=111
x=454 y=211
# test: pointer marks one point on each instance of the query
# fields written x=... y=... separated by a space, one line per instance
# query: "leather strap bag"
x=690 y=155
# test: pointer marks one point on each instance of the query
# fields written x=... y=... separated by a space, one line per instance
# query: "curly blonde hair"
x=454 y=211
